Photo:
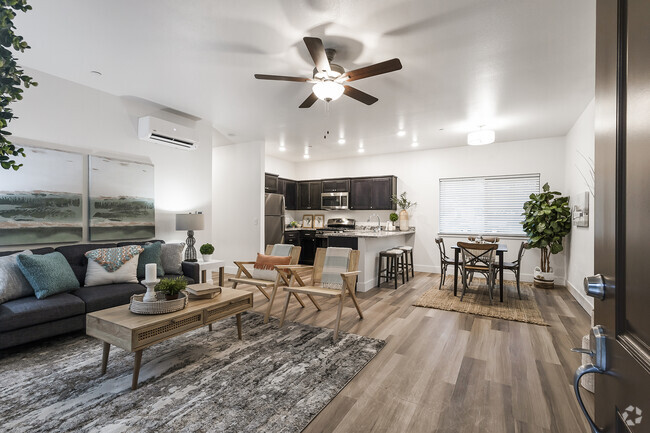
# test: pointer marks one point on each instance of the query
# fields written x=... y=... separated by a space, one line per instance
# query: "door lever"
x=584 y=351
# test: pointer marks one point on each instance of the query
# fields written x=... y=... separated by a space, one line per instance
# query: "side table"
x=210 y=266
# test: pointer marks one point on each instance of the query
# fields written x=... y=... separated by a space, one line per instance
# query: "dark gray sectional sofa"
x=29 y=319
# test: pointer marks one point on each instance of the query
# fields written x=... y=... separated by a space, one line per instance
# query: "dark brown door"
x=360 y=194
x=314 y=195
x=381 y=193
x=622 y=219
x=303 y=196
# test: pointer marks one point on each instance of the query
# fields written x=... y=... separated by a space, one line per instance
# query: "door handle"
x=599 y=355
x=595 y=286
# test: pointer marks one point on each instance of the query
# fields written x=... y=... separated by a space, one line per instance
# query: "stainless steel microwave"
x=334 y=200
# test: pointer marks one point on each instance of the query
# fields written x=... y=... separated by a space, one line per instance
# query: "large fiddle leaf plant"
x=12 y=78
x=547 y=220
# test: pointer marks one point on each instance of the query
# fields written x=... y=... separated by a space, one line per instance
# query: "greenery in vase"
x=402 y=202
x=393 y=217
x=206 y=249
x=547 y=220
x=13 y=78
x=171 y=286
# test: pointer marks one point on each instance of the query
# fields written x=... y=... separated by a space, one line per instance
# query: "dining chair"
x=444 y=261
x=515 y=267
x=478 y=258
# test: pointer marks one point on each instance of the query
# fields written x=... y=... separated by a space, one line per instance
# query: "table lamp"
x=190 y=222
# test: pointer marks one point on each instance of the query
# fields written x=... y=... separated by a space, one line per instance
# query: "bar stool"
x=394 y=266
x=408 y=260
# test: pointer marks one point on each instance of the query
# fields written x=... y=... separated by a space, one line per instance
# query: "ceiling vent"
x=165 y=132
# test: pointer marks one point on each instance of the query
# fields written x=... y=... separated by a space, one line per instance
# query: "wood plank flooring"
x=444 y=371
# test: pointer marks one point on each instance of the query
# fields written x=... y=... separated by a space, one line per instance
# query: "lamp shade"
x=189 y=221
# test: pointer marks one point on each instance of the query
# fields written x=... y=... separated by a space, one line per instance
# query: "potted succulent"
x=547 y=220
x=171 y=287
x=393 y=217
x=404 y=204
x=206 y=250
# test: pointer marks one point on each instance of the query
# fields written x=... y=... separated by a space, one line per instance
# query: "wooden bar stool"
x=394 y=266
x=408 y=260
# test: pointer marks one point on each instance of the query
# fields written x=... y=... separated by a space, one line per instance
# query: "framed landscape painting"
x=121 y=200
x=42 y=201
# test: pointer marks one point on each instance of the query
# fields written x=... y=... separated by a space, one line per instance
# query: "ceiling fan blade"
x=309 y=101
x=359 y=95
x=372 y=70
x=317 y=52
x=280 y=78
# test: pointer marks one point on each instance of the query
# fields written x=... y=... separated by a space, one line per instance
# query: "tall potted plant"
x=404 y=204
x=547 y=220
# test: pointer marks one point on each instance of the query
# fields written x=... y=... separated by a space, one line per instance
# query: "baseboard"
x=581 y=298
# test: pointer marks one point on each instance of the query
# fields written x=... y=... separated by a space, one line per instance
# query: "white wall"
x=238 y=201
x=60 y=114
x=282 y=168
x=419 y=172
x=580 y=242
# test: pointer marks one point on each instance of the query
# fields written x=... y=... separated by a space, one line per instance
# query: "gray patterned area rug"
x=275 y=380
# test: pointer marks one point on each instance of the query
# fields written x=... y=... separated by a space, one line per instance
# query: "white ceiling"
x=524 y=68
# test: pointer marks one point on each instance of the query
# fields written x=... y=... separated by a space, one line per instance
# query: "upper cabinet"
x=309 y=195
x=270 y=182
x=373 y=193
x=289 y=189
x=336 y=185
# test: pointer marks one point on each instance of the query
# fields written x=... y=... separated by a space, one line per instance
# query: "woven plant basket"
x=161 y=306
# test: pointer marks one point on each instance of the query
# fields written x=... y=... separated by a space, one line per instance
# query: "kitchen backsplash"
x=361 y=216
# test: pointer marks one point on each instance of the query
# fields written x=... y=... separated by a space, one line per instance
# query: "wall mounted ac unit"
x=169 y=133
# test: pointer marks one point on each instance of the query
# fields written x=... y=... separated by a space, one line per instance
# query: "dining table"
x=501 y=249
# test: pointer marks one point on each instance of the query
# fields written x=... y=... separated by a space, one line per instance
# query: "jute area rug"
x=477 y=301
x=275 y=380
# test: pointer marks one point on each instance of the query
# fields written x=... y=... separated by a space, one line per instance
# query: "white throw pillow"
x=13 y=284
x=96 y=275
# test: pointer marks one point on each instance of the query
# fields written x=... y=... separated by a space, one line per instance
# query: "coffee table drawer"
x=165 y=329
x=234 y=307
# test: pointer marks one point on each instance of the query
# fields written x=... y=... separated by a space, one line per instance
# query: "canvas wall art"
x=121 y=200
x=580 y=210
x=42 y=202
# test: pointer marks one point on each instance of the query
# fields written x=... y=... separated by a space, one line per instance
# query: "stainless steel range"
x=337 y=225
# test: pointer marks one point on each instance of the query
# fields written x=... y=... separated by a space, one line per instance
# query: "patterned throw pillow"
x=151 y=254
x=112 y=265
x=48 y=274
x=13 y=284
x=171 y=257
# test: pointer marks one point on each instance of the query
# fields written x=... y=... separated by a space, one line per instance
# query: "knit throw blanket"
x=336 y=262
x=112 y=259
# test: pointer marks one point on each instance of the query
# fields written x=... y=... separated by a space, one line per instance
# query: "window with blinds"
x=485 y=205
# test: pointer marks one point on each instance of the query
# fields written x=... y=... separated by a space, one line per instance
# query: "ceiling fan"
x=329 y=78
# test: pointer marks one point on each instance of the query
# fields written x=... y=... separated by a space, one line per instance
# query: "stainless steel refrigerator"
x=273 y=218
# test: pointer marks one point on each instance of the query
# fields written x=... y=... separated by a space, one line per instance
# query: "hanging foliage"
x=12 y=78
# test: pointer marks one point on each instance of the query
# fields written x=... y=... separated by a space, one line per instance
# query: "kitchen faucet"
x=378 y=222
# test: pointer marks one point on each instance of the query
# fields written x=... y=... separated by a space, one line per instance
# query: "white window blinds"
x=485 y=205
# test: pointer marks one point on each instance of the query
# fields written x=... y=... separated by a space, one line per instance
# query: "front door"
x=622 y=218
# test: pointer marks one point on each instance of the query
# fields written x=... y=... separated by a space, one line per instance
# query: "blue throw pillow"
x=48 y=274
x=151 y=254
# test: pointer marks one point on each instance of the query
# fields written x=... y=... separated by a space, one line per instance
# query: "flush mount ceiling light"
x=341 y=140
x=401 y=133
x=480 y=137
x=328 y=90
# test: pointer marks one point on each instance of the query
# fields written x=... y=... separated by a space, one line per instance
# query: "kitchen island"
x=370 y=244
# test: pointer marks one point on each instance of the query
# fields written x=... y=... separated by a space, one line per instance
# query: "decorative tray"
x=161 y=306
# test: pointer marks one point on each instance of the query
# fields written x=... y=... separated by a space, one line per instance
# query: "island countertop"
x=370 y=233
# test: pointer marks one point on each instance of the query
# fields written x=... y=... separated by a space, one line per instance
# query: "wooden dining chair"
x=445 y=261
x=478 y=258
x=515 y=267
x=331 y=277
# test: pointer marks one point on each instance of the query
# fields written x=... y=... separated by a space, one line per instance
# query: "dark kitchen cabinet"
x=309 y=195
x=288 y=188
x=373 y=193
x=308 y=247
x=292 y=237
x=270 y=182
x=336 y=185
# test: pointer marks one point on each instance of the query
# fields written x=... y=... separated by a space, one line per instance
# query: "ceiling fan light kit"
x=328 y=90
x=480 y=137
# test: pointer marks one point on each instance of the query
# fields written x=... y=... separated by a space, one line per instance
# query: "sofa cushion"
x=141 y=243
x=151 y=254
x=74 y=254
x=171 y=256
x=48 y=274
x=29 y=311
x=107 y=296
x=96 y=275
x=41 y=251
x=13 y=284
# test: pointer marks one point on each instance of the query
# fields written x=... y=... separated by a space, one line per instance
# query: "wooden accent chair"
x=478 y=258
x=445 y=261
x=244 y=276
x=349 y=282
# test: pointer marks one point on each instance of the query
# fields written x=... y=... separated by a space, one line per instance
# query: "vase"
x=544 y=280
x=403 y=220
x=206 y=257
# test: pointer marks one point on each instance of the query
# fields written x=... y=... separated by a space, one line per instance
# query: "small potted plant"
x=206 y=250
x=393 y=219
x=404 y=204
x=171 y=287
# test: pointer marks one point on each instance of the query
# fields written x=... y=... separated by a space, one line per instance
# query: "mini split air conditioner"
x=165 y=132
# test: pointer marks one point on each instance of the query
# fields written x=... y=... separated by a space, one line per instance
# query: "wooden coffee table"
x=133 y=332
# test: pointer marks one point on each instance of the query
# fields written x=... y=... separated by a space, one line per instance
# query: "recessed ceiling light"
x=306 y=156
x=415 y=144
x=480 y=137
x=341 y=140
x=361 y=150
x=282 y=148
x=401 y=133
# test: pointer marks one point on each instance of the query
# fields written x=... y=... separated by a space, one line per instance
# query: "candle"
x=150 y=272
